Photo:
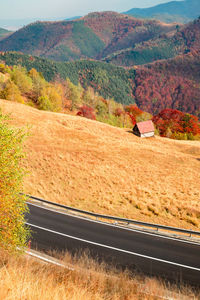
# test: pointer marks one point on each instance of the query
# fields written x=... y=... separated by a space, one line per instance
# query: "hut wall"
x=148 y=134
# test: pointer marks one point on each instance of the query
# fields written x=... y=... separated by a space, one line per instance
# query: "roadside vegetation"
x=13 y=232
x=26 y=278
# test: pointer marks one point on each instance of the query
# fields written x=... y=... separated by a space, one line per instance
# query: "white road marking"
x=46 y=259
x=118 y=226
x=114 y=248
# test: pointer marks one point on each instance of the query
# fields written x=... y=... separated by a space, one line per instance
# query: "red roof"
x=146 y=126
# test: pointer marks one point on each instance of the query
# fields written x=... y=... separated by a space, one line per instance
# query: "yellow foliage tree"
x=20 y=77
x=90 y=97
x=11 y=92
x=50 y=99
x=13 y=232
x=38 y=82
x=73 y=93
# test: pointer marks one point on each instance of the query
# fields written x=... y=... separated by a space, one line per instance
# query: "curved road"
x=146 y=252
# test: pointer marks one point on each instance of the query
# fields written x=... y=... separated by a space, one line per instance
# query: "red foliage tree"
x=177 y=122
x=87 y=112
x=133 y=112
x=133 y=119
x=191 y=124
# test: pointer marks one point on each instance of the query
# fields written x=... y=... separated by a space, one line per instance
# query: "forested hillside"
x=186 y=39
x=107 y=36
x=108 y=80
x=61 y=95
x=93 y=36
x=166 y=84
x=156 y=90
x=173 y=83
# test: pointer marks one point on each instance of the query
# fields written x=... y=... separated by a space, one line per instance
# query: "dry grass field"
x=97 y=167
x=26 y=279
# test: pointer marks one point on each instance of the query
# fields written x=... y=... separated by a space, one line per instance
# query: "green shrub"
x=44 y=103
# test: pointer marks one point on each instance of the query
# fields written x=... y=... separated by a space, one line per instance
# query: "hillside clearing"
x=97 y=167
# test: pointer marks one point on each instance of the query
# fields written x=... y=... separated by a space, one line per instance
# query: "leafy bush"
x=87 y=112
x=3 y=68
x=50 y=99
x=20 y=77
x=44 y=103
x=73 y=93
x=11 y=92
x=38 y=82
x=13 y=232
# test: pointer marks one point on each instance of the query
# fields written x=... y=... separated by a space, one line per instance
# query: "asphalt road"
x=144 y=252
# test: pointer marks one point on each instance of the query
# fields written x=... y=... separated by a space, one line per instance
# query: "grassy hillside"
x=98 y=167
x=93 y=36
x=172 y=11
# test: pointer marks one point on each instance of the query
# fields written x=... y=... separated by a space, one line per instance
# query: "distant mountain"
x=15 y=24
x=72 y=18
x=94 y=36
x=174 y=11
x=4 y=33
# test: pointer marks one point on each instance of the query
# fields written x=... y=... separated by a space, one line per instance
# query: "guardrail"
x=126 y=221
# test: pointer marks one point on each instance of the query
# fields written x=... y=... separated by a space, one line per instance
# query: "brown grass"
x=25 y=278
x=97 y=167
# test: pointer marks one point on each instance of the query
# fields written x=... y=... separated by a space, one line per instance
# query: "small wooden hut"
x=144 y=129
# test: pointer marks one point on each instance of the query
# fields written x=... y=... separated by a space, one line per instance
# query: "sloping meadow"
x=97 y=167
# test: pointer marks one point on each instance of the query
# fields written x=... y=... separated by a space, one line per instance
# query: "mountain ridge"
x=186 y=39
x=173 y=11
x=93 y=36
